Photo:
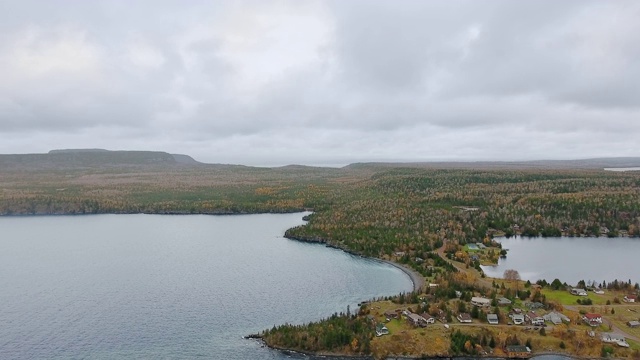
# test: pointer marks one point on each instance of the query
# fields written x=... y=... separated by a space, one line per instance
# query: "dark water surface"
x=152 y=286
x=570 y=259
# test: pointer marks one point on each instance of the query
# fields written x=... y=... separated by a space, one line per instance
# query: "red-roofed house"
x=630 y=298
x=592 y=319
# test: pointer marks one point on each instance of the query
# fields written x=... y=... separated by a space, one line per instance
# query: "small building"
x=480 y=301
x=633 y=324
x=534 y=319
x=615 y=338
x=416 y=320
x=504 y=302
x=442 y=316
x=556 y=318
x=381 y=330
x=592 y=319
x=492 y=319
x=433 y=286
x=517 y=319
x=392 y=314
x=464 y=318
x=517 y=351
x=428 y=318
x=535 y=305
x=579 y=292
x=630 y=298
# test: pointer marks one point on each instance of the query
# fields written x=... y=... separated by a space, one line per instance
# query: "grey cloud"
x=315 y=81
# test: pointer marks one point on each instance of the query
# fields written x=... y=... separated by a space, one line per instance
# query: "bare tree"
x=511 y=275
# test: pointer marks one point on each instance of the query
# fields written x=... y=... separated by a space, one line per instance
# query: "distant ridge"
x=88 y=158
x=71 y=151
x=185 y=159
x=596 y=163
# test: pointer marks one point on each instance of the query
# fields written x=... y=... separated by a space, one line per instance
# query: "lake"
x=154 y=286
x=570 y=259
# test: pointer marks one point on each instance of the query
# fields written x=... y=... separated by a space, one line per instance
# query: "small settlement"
x=532 y=318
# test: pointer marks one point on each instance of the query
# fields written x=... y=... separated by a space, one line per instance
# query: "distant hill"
x=101 y=158
x=185 y=159
x=89 y=158
x=598 y=163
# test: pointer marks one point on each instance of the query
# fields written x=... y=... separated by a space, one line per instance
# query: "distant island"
x=437 y=219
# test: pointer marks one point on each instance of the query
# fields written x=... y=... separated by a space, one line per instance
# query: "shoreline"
x=416 y=278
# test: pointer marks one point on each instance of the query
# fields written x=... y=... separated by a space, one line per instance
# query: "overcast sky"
x=323 y=82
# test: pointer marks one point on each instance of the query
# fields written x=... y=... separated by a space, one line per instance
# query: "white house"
x=480 y=301
x=381 y=330
x=579 y=292
x=534 y=319
x=428 y=318
x=492 y=319
x=630 y=298
x=615 y=338
x=517 y=319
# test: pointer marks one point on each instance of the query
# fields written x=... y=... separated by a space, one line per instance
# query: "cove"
x=160 y=286
x=570 y=259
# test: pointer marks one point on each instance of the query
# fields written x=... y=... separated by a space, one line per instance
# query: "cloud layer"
x=323 y=82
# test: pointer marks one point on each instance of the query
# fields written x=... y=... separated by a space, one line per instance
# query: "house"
x=480 y=301
x=433 y=286
x=592 y=319
x=630 y=298
x=381 y=330
x=517 y=351
x=464 y=318
x=534 y=319
x=442 y=316
x=633 y=324
x=416 y=320
x=556 y=318
x=504 y=302
x=391 y=314
x=517 y=319
x=534 y=305
x=578 y=292
x=615 y=338
x=428 y=318
x=492 y=319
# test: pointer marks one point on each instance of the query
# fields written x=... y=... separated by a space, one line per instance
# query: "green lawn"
x=634 y=345
x=565 y=298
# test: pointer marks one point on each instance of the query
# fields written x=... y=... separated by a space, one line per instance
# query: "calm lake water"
x=570 y=259
x=152 y=286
